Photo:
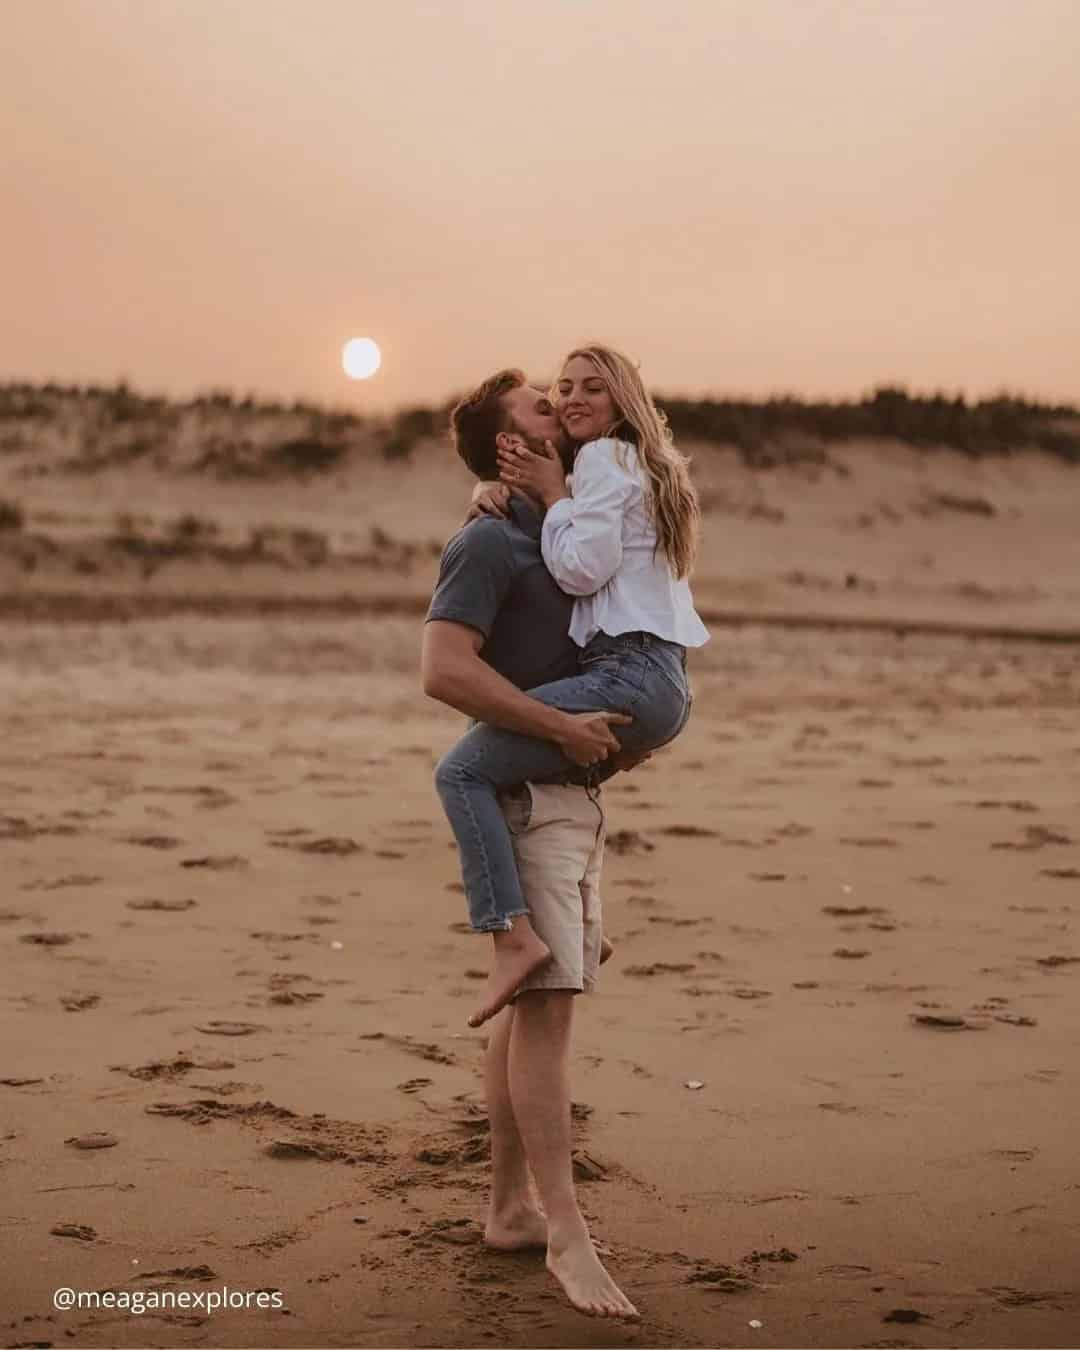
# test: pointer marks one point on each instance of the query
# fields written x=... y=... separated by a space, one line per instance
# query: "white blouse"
x=598 y=545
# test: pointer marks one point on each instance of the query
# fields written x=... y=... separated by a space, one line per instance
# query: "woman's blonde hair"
x=673 y=502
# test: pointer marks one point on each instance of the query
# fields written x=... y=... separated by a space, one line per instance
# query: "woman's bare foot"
x=585 y=1282
x=606 y=948
x=526 y=1227
x=518 y=952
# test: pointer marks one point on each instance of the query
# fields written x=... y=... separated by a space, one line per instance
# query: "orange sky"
x=750 y=196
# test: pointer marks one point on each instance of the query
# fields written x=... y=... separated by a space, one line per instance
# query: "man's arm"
x=454 y=672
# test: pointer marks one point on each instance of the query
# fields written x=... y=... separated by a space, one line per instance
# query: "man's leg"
x=513 y=1219
x=540 y=1093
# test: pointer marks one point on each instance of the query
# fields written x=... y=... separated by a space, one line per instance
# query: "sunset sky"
x=749 y=196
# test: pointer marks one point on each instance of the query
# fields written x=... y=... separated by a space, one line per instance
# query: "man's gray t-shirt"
x=492 y=577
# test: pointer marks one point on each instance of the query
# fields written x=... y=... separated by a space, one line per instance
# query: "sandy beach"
x=823 y=1096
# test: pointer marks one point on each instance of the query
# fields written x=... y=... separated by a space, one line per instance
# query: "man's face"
x=533 y=417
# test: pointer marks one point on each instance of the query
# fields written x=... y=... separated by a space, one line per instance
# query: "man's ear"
x=505 y=440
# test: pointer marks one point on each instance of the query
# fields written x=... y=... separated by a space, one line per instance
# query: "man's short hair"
x=479 y=418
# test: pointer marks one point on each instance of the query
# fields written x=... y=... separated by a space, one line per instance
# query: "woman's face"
x=585 y=407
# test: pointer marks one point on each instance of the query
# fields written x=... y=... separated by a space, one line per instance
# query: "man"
x=497 y=625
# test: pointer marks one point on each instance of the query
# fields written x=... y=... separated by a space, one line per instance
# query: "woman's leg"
x=488 y=758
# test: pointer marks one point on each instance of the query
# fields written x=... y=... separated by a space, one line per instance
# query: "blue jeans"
x=635 y=673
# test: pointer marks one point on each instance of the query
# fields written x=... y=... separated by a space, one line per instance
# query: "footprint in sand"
x=227 y=1028
x=332 y=846
x=793 y=830
x=217 y=863
x=869 y=841
x=76 y=879
x=161 y=841
x=166 y=905
x=659 y=968
x=306 y=1148
x=269 y=935
x=95 y=1139
x=422 y=1049
x=628 y=841
x=51 y=939
x=1036 y=836
x=946 y=1022
x=852 y=911
x=18 y=827
x=281 y=988
x=81 y=1231
x=79 y=1002
x=285 y=997
x=170 y=1068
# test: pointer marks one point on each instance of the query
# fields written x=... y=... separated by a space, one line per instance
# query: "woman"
x=621 y=539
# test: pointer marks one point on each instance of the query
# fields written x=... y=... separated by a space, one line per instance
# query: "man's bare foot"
x=606 y=948
x=517 y=954
x=585 y=1282
x=512 y=1232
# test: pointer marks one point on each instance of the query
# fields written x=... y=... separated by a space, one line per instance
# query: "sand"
x=844 y=905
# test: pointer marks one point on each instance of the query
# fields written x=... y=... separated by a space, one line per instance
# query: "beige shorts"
x=558 y=835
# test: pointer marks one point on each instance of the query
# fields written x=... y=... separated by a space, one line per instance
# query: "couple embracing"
x=559 y=625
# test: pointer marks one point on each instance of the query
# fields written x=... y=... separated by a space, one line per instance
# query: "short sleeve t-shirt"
x=492 y=578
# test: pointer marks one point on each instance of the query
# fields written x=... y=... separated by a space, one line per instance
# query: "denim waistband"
x=640 y=641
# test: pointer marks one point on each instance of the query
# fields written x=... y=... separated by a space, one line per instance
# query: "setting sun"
x=361 y=358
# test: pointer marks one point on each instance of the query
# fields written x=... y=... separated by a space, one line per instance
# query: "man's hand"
x=489 y=499
x=587 y=738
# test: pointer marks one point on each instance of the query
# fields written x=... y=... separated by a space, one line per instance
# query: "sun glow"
x=361 y=358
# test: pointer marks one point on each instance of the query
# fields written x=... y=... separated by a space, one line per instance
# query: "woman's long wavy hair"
x=673 y=502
